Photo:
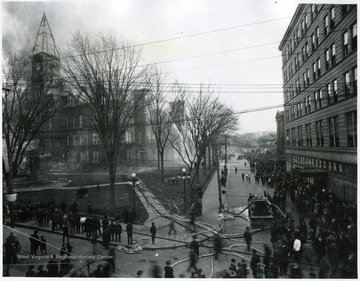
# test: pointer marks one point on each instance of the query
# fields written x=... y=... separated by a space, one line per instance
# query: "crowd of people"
x=325 y=233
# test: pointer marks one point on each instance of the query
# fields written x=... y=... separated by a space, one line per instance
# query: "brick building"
x=319 y=51
x=67 y=142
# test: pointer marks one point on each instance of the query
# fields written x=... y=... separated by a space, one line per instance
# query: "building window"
x=306 y=50
x=335 y=90
x=313 y=39
x=354 y=37
x=318 y=68
x=67 y=123
x=96 y=156
x=84 y=156
x=314 y=71
x=306 y=21
x=319 y=133
x=317 y=41
x=333 y=54
x=300 y=137
x=308 y=77
x=95 y=139
x=334 y=132
x=326 y=25
x=73 y=122
x=318 y=99
x=302 y=27
x=329 y=93
x=347 y=83
x=293 y=137
x=308 y=134
x=351 y=128
x=80 y=121
x=345 y=43
x=332 y=16
x=354 y=73
x=68 y=140
x=287 y=137
x=327 y=59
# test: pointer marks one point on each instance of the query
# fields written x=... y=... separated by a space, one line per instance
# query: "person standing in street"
x=34 y=242
x=254 y=262
x=169 y=272
x=43 y=245
x=172 y=226
x=106 y=237
x=129 y=231
x=217 y=245
x=248 y=237
x=194 y=245
x=153 y=232
x=12 y=246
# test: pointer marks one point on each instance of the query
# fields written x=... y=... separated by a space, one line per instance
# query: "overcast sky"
x=230 y=44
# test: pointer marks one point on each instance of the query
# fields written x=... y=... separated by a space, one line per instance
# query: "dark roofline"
x=298 y=13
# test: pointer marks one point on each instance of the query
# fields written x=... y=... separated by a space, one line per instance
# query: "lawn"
x=99 y=199
x=167 y=192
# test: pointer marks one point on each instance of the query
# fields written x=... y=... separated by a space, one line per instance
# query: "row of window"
x=72 y=156
x=349 y=170
x=83 y=139
x=323 y=97
x=328 y=24
x=313 y=134
x=329 y=57
x=76 y=122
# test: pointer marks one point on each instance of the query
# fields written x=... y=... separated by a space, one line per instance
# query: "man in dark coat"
x=12 y=246
x=194 y=245
x=169 y=272
x=34 y=242
x=129 y=231
x=106 y=237
x=254 y=261
x=117 y=231
x=153 y=232
x=248 y=237
x=112 y=230
x=97 y=225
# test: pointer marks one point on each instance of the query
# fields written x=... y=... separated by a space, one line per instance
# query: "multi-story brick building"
x=67 y=142
x=319 y=51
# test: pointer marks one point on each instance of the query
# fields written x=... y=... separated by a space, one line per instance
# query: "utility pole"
x=225 y=150
x=218 y=177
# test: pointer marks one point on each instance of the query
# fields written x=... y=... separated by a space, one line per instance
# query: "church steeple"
x=45 y=41
x=45 y=56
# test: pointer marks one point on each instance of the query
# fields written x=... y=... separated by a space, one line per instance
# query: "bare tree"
x=107 y=76
x=163 y=111
x=27 y=107
x=206 y=118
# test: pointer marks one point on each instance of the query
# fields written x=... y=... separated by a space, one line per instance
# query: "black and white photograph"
x=179 y=139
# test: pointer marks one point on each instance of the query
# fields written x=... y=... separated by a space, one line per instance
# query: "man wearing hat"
x=30 y=272
x=232 y=266
x=12 y=246
x=169 y=272
x=34 y=242
x=254 y=261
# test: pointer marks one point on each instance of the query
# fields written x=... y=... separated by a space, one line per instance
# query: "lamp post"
x=133 y=175
x=184 y=178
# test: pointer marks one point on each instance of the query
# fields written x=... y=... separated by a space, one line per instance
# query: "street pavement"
x=167 y=247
